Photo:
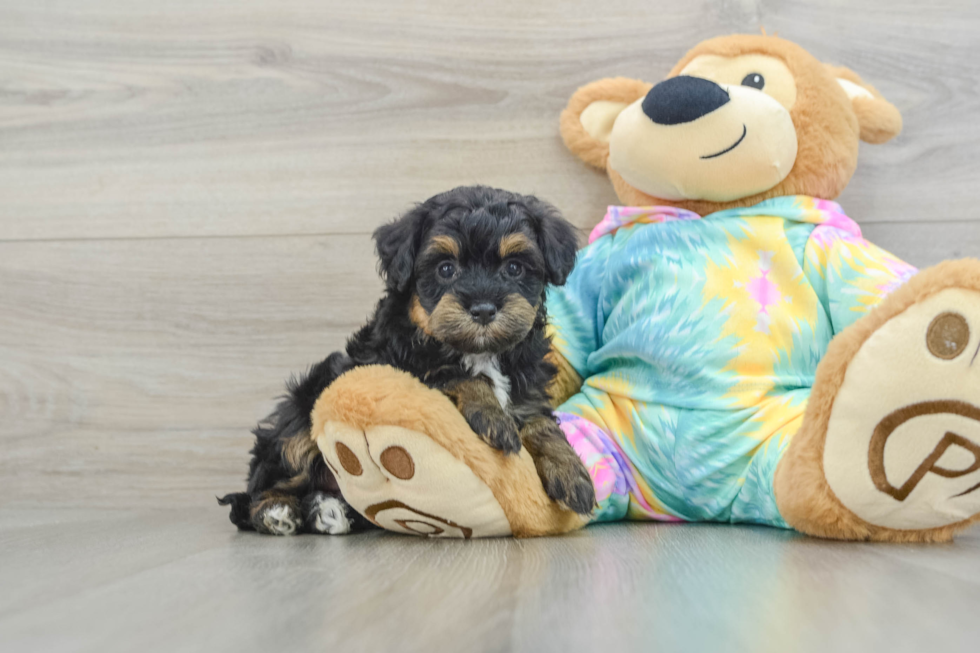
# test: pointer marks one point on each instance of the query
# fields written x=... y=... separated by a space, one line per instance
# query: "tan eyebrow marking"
x=515 y=244
x=445 y=245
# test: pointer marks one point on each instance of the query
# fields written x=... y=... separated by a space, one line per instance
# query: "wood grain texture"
x=187 y=189
x=136 y=367
x=186 y=195
x=122 y=118
x=181 y=581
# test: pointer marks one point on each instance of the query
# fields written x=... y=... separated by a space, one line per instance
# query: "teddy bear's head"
x=738 y=120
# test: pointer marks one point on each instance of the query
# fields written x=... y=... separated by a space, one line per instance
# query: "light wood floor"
x=187 y=190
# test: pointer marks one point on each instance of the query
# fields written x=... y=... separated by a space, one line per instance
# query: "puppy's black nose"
x=483 y=312
x=683 y=99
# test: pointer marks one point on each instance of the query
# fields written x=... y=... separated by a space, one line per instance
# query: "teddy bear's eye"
x=754 y=80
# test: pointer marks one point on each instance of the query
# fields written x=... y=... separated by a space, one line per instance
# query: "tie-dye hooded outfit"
x=698 y=340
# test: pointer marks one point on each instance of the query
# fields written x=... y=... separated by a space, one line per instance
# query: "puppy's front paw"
x=567 y=482
x=496 y=428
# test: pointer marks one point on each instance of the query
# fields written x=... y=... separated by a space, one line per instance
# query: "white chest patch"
x=489 y=365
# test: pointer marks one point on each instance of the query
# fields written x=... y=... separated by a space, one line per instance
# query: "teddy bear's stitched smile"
x=745 y=130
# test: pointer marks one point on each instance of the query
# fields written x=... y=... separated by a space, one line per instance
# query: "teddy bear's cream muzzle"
x=746 y=146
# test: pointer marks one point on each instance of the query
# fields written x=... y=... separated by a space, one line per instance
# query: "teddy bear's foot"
x=402 y=481
x=406 y=460
x=890 y=447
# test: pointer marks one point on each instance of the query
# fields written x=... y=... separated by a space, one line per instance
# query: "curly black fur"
x=426 y=324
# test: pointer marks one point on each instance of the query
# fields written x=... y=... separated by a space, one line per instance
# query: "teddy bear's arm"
x=850 y=275
x=567 y=381
x=576 y=320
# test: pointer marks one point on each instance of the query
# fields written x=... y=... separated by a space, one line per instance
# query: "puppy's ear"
x=397 y=244
x=878 y=118
x=588 y=119
x=556 y=239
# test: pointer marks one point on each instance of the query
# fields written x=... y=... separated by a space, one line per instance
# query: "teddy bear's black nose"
x=683 y=99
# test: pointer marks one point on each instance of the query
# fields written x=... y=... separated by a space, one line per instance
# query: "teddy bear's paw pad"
x=403 y=481
x=903 y=441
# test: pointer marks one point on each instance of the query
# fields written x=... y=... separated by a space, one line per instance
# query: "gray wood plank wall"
x=187 y=189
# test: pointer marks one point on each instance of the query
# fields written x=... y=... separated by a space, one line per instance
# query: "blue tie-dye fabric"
x=698 y=340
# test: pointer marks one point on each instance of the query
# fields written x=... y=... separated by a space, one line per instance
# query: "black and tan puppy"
x=463 y=311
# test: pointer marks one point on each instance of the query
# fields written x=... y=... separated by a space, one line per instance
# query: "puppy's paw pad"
x=329 y=515
x=280 y=519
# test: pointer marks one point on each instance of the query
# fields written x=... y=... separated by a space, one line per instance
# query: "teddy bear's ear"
x=880 y=121
x=588 y=119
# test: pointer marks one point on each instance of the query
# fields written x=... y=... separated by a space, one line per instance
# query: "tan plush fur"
x=880 y=121
x=615 y=89
x=566 y=383
x=381 y=395
x=803 y=496
x=828 y=124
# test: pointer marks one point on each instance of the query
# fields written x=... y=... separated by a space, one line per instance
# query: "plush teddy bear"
x=730 y=348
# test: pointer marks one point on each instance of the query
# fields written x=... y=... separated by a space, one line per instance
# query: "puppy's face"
x=480 y=264
x=480 y=280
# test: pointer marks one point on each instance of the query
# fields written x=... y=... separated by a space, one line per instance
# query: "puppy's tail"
x=239 y=516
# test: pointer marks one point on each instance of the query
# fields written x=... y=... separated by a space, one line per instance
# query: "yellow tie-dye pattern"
x=854 y=274
x=866 y=268
x=777 y=424
x=612 y=410
x=758 y=327
x=559 y=342
x=763 y=333
x=778 y=418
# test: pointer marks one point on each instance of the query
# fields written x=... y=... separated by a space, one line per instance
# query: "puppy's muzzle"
x=483 y=312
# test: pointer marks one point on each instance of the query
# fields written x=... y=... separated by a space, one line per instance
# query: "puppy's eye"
x=514 y=269
x=446 y=269
x=754 y=80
